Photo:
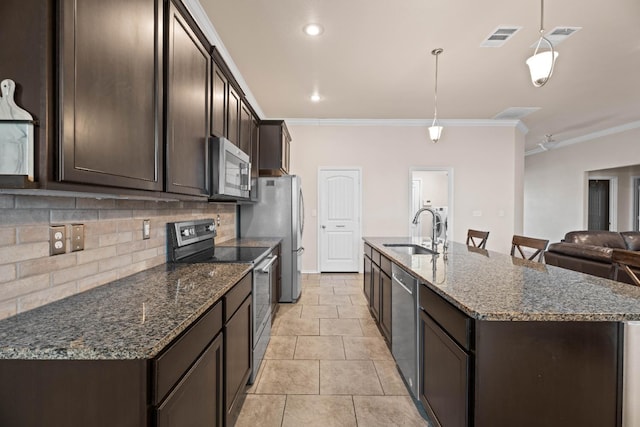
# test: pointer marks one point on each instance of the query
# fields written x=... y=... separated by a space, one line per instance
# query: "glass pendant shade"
x=541 y=66
x=435 y=132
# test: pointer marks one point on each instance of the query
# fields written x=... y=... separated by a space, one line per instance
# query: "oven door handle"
x=265 y=268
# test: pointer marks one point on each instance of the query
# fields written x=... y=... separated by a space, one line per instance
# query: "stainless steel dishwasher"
x=404 y=326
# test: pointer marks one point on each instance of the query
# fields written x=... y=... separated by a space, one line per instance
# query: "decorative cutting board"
x=16 y=134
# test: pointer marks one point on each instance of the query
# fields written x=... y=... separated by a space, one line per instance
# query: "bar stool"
x=625 y=260
x=475 y=234
x=519 y=242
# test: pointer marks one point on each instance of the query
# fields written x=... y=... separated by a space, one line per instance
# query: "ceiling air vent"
x=499 y=36
x=515 y=113
x=559 y=34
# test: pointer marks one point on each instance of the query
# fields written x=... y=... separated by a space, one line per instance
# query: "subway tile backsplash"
x=114 y=247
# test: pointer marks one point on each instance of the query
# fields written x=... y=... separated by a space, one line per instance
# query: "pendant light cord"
x=541 y=16
x=437 y=53
x=435 y=92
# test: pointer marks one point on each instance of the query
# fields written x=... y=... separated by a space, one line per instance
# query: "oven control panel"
x=189 y=232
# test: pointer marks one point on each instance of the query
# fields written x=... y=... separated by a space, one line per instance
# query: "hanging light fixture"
x=541 y=63
x=435 y=130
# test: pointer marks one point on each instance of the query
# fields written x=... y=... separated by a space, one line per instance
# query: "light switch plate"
x=57 y=239
x=77 y=237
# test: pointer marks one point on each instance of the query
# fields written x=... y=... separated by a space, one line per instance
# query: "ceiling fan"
x=547 y=143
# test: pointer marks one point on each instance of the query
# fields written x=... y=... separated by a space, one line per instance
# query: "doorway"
x=602 y=210
x=431 y=187
x=339 y=203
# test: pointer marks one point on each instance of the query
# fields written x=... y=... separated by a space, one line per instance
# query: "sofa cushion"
x=632 y=240
x=607 y=239
x=578 y=250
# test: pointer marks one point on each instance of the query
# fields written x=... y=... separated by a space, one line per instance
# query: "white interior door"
x=339 y=220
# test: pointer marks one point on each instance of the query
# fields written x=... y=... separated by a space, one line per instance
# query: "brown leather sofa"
x=590 y=251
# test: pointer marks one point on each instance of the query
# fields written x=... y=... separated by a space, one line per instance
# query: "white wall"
x=556 y=182
x=485 y=162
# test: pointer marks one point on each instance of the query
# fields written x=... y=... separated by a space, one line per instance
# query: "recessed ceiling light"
x=315 y=98
x=313 y=29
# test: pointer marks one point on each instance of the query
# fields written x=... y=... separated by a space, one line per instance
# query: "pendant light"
x=435 y=130
x=541 y=63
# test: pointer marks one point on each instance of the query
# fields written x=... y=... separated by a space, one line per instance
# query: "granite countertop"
x=130 y=318
x=488 y=285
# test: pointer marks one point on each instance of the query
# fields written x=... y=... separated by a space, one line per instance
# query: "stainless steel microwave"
x=230 y=171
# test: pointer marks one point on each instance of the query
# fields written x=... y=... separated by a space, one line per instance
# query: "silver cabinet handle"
x=340 y=226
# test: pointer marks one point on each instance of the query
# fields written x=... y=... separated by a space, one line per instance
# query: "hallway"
x=328 y=365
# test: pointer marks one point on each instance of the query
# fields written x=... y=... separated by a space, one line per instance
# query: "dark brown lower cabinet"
x=385 y=305
x=375 y=291
x=197 y=399
x=238 y=357
x=367 y=278
x=444 y=389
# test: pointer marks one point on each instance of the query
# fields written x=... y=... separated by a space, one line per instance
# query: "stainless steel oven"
x=193 y=242
x=230 y=171
x=262 y=274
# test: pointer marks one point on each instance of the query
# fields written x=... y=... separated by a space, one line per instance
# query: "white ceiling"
x=374 y=60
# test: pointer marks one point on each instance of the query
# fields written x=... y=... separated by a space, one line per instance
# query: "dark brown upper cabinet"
x=233 y=116
x=188 y=70
x=219 y=96
x=274 y=148
x=110 y=93
x=246 y=122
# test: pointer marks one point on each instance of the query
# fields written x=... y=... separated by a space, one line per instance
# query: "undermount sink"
x=409 y=249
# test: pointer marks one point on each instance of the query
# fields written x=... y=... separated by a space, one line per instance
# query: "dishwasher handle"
x=399 y=282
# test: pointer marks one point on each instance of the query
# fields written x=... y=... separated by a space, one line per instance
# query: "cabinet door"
x=367 y=278
x=188 y=74
x=238 y=356
x=111 y=93
x=285 y=153
x=445 y=375
x=246 y=119
x=197 y=399
x=375 y=291
x=219 y=94
x=385 y=305
x=233 y=117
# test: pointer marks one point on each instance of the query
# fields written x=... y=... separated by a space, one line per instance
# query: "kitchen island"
x=508 y=342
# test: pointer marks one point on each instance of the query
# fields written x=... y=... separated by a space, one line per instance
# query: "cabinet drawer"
x=176 y=359
x=385 y=265
x=452 y=320
x=375 y=256
x=236 y=295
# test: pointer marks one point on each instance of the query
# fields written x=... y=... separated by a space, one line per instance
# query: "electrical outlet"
x=77 y=237
x=57 y=239
x=146 y=229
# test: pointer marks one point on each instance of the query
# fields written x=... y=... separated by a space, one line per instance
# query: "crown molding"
x=200 y=16
x=409 y=122
x=588 y=137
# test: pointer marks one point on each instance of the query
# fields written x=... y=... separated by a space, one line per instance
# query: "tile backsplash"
x=113 y=247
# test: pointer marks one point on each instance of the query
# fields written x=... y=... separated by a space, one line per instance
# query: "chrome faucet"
x=434 y=225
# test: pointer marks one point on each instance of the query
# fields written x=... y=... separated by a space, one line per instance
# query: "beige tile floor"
x=327 y=364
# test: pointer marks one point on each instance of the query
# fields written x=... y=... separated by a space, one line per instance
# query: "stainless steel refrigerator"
x=279 y=212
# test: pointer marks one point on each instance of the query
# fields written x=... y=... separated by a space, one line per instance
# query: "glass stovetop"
x=228 y=254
